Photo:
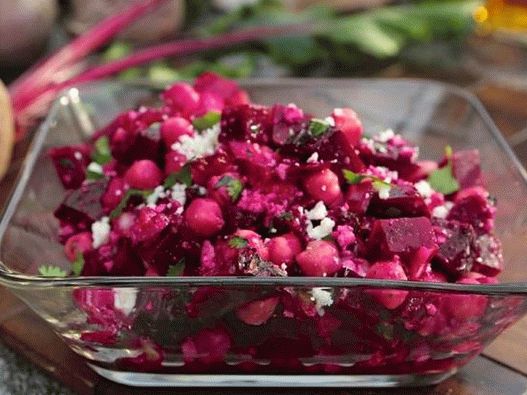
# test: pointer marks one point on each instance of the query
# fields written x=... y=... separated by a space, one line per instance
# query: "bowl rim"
x=15 y=280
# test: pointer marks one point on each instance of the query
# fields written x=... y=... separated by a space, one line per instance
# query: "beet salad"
x=210 y=184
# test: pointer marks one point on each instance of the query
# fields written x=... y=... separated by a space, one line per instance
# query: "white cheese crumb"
x=383 y=191
x=369 y=143
x=178 y=193
x=77 y=155
x=158 y=193
x=96 y=168
x=442 y=211
x=124 y=299
x=201 y=144
x=385 y=136
x=424 y=188
x=318 y=212
x=319 y=232
x=313 y=158
x=330 y=120
x=100 y=232
x=322 y=298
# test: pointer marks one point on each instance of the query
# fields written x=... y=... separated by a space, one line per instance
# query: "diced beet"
x=347 y=120
x=246 y=122
x=130 y=146
x=203 y=169
x=114 y=194
x=359 y=196
x=403 y=201
x=473 y=206
x=467 y=169
x=215 y=84
x=400 y=236
x=334 y=147
x=149 y=224
x=181 y=98
x=489 y=260
x=420 y=262
x=455 y=247
x=82 y=205
x=422 y=171
x=70 y=163
x=256 y=160
x=126 y=262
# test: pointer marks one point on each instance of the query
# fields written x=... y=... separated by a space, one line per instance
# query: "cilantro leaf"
x=317 y=127
x=177 y=269
x=51 y=271
x=233 y=185
x=207 y=121
x=184 y=176
x=442 y=180
x=238 y=242
x=77 y=265
x=102 y=153
x=93 y=176
x=351 y=177
x=124 y=201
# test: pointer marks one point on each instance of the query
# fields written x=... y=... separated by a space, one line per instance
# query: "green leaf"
x=351 y=177
x=102 y=153
x=238 y=242
x=317 y=127
x=161 y=72
x=442 y=180
x=184 y=176
x=77 y=265
x=124 y=201
x=286 y=216
x=93 y=176
x=117 y=50
x=381 y=186
x=177 y=269
x=207 y=121
x=233 y=185
x=385 y=330
x=51 y=271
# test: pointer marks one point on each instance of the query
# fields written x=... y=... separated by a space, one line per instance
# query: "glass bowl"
x=209 y=331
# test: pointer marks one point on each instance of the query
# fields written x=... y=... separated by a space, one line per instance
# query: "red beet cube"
x=82 y=205
x=404 y=201
x=246 y=122
x=70 y=163
x=455 y=250
x=400 y=236
x=466 y=168
x=489 y=260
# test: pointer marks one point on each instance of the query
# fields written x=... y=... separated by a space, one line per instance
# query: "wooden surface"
x=501 y=370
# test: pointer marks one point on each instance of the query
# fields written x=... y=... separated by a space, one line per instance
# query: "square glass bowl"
x=188 y=331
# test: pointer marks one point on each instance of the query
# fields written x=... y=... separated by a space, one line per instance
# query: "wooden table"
x=501 y=370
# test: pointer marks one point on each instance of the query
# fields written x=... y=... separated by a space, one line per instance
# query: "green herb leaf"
x=77 y=265
x=93 y=176
x=124 y=201
x=351 y=177
x=51 y=271
x=177 y=269
x=207 y=121
x=287 y=216
x=184 y=176
x=442 y=180
x=238 y=242
x=317 y=127
x=234 y=186
x=102 y=153
x=385 y=330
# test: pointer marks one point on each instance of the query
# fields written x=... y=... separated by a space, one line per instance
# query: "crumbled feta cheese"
x=124 y=299
x=201 y=144
x=319 y=232
x=322 y=298
x=158 y=193
x=383 y=191
x=330 y=120
x=96 y=168
x=318 y=212
x=385 y=136
x=442 y=211
x=77 y=155
x=424 y=188
x=100 y=232
x=368 y=143
x=178 y=193
x=313 y=158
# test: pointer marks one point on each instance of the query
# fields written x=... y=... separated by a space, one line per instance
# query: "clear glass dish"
x=187 y=331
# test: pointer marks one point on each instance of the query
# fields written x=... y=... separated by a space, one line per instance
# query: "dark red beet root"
x=82 y=205
x=466 y=168
x=404 y=201
x=246 y=122
x=489 y=260
x=455 y=252
x=70 y=163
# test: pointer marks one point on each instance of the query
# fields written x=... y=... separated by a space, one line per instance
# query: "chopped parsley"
x=102 y=153
x=317 y=127
x=286 y=216
x=51 y=271
x=443 y=180
x=207 y=121
x=233 y=185
x=378 y=184
x=124 y=201
x=77 y=265
x=177 y=269
x=238 y=242
x=184 y=176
